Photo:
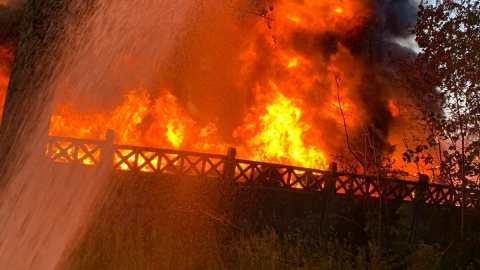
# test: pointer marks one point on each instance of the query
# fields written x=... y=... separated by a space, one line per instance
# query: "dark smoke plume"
x=377 y=42
x=395 y=15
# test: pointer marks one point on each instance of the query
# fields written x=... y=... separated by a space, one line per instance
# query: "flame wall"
x=256 y=75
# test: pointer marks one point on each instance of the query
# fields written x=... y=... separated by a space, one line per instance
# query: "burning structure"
x=282 y=81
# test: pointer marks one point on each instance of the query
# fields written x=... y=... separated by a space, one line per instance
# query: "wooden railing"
x=250 y=173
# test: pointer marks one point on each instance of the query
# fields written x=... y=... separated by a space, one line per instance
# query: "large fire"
x=278 y=131
x=290 y=59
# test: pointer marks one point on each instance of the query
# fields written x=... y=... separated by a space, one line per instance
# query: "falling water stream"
x=43 y=209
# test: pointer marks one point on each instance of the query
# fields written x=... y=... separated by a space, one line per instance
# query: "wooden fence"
x=250 y=173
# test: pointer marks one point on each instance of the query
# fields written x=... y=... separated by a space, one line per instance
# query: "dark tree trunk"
x=48 y=30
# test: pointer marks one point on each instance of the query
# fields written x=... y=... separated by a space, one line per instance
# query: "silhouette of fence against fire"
x=249 y=173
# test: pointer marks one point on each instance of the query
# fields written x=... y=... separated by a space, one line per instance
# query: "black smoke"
x=376 y=43
x=395 y=16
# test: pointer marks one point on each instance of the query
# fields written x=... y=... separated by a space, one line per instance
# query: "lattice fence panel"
x=66 y=150
x=400 y=190
x=314 y=180
x=163 y=161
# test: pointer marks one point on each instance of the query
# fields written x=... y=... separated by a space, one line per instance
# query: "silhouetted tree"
x=48 y=30
x=445 y=80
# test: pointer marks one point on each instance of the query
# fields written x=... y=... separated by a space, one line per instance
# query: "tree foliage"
x=446 y=83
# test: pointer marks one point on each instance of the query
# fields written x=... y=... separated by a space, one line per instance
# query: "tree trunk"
x=48 y=29
x=42 y=210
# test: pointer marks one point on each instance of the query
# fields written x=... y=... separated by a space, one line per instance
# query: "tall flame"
x=277 y=132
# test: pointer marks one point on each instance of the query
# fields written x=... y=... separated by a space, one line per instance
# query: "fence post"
x=422 y=187
x=332 y=178
x=329 y=191
x=108 y=150
x=418 y=201
x=229 y=167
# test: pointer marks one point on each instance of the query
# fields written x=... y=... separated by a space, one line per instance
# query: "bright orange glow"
x=124 y=165
x=133 y=109
x=3 y=90
x=175 y=133
x=293 y=18
x=167 y=127
x=338 y=10
x=170 y=121
x=393 y=108
x=293 y=62
x=276 y=134
x=148 y=166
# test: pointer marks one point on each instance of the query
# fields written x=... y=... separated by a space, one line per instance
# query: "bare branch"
x=339 y=101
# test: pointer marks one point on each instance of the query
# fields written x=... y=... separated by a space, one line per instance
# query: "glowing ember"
x=293 y=19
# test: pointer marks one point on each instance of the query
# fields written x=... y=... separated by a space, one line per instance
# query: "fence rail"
x=250 y=173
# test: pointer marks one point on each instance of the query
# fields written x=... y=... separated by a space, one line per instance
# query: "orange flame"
x=276 y=133
x=166 y=124
x=133 y=109
x=393 y=108
x=170 y=121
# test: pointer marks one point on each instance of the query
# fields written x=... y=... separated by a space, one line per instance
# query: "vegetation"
x=141 y=248
x=445 y=84
x=174 y=222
